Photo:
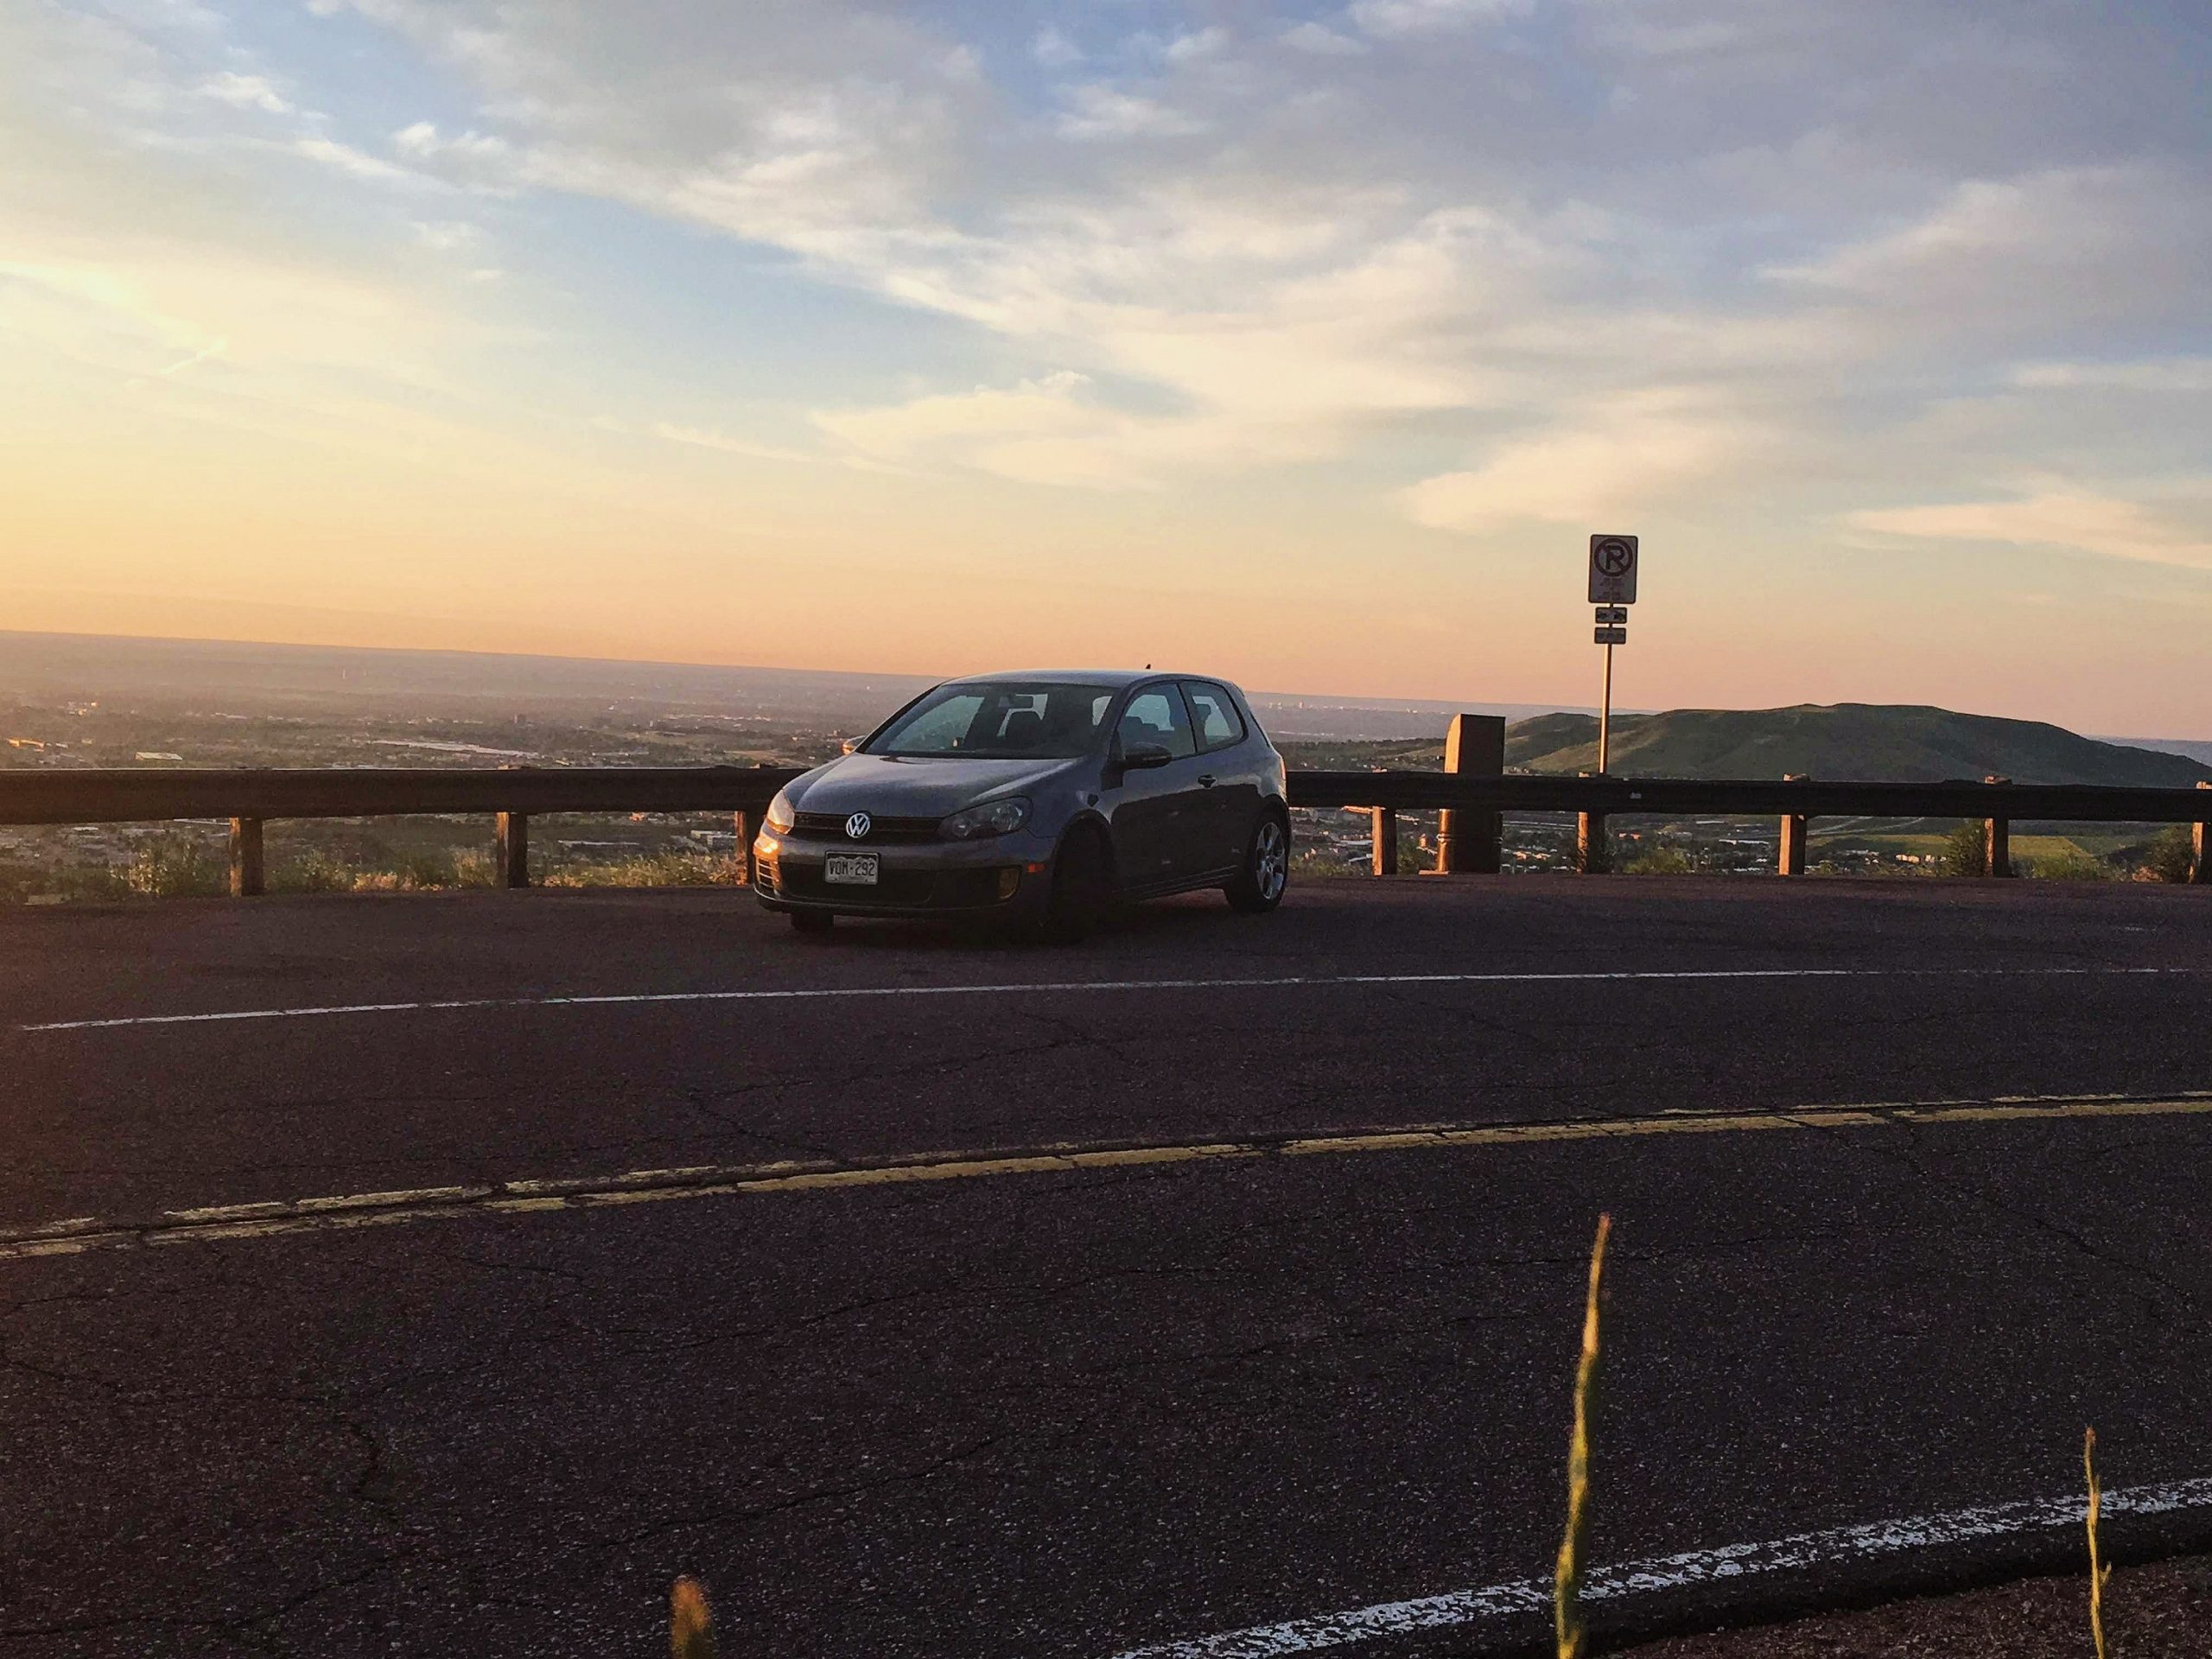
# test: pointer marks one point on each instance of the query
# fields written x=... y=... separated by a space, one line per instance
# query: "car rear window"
x=1215 y=710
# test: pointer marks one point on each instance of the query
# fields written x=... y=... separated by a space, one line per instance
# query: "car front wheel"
x=1259 y=887
x=1083 y=886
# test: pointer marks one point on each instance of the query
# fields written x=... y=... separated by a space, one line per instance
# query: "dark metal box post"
x=1996 y=840
x=1468 y=843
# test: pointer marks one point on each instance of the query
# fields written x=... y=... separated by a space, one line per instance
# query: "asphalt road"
x=903 y=1385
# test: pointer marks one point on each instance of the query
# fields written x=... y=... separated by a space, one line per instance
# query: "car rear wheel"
x=812 y=921
x=1083 y=885
x=1259 y=887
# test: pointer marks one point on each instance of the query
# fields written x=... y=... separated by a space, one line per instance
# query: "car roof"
x=1115 y=677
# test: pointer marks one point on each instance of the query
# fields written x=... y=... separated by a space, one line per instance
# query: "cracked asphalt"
x=1070 y=1413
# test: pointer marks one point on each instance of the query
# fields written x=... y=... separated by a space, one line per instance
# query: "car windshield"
x=1018 y=719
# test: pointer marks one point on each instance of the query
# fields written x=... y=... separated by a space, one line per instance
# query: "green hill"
x=1851 y=739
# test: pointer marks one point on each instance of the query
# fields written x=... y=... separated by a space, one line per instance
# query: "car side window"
x=1156 y=715
x=1219 y=724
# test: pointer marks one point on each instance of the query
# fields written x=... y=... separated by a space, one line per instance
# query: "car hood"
x=890 y=787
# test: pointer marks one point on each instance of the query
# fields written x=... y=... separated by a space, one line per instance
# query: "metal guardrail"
x=513 y=795
x=1744 y=797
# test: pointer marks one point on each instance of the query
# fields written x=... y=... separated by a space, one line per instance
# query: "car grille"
x=830 y=826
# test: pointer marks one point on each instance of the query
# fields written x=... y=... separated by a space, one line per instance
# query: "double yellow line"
x=283 y=1217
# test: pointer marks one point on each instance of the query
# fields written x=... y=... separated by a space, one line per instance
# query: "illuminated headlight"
x=992 y=818
x=781 y=814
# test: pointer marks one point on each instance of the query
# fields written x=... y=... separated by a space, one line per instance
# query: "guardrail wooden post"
x=1383 y=821
x=1996 y=840
x=1590 y=853
x=514 y=856
x=245 y=858
x=1470 y=844
x=2200 y=863
x=1794 y=828
x=742 y=823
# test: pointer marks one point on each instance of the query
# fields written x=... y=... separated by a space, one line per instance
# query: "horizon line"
x=1341 y=698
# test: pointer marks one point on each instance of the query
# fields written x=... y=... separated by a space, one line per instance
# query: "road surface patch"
x=1072 y=987
x=280 y=1217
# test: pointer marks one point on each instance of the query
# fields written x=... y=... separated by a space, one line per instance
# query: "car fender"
x=1088 y=816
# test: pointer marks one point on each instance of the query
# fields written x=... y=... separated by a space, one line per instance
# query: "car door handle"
x=1205 y=780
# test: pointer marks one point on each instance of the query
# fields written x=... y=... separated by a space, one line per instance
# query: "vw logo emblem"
x=858 y=825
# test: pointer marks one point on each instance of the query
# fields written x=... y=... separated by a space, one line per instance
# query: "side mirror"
x=848 y=746
x=1142 y=757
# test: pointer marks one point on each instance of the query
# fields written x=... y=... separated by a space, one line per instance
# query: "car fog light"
x=1009 y=880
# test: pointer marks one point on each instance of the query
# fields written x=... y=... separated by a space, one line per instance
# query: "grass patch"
x=2170 y=856
x=175 y=866
x=652 y=870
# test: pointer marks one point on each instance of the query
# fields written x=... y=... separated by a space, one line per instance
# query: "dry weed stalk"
x=690 y=1626
x=2099 y=1574
x=1567 y=1585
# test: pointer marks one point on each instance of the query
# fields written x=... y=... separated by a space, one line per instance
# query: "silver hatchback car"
x=1045 y=798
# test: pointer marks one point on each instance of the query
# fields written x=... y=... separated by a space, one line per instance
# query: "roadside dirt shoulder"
x=2159 y=1611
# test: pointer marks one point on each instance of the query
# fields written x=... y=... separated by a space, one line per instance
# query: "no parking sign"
x=1612 y=570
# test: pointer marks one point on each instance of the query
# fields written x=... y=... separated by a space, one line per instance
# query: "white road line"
x=1659 y=1573
x=1061 y=987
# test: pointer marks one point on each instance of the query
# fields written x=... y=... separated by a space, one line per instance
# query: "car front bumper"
x=998 y=875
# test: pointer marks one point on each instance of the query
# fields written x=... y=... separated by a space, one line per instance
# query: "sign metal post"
x=1612 y=589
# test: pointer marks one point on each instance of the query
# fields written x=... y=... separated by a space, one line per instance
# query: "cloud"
x=214 y=348
x=448 y=235
x=1321 y=41
x=2027 y=254
x=1096 y=112
x=1197 y=44
x=705 y=438
x=1265 y=254
x=1042 y=431
x=1388 y=19
x=2109 y=526
x=1627 y=455
x=2172 y=374
x=1054 y=49
x=246 y=92
x=358 y=164
x=422 y=139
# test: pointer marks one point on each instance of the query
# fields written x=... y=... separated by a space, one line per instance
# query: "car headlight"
x=992 y=818
x=781 y=813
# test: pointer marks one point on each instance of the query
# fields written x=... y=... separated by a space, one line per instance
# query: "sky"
x=1302 y=344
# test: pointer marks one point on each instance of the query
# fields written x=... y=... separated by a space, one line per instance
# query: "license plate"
x=850 y=869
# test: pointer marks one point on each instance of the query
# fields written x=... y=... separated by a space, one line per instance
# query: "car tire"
x=1083 y=886
x=1261 y=884
x=812 y=921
